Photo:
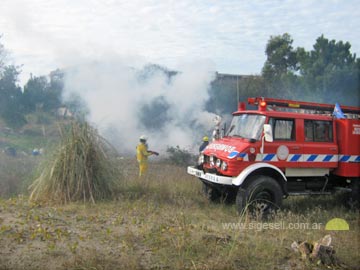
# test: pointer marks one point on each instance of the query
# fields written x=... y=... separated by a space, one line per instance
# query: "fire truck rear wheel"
x=260 y=195
x=352 y=200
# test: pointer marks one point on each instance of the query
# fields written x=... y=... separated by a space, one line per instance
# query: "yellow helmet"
x=205 y=138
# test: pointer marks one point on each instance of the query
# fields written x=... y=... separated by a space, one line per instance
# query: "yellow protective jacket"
x=142 y=152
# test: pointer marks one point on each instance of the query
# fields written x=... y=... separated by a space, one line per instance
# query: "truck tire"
x=353 y=198
x=260 y=195
x=211 y=193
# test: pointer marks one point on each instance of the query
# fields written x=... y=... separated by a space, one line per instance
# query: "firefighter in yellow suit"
x=142 y=154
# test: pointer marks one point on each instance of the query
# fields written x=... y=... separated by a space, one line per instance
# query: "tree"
x=280 y=67
x=40 y=94
x=11 y=109
x=56 y=87
x=330 y=72
x=281 y=57
x=34 y=93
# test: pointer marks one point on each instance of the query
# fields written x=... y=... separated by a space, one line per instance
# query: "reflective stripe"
x=344 y=158
x=268 y=157
x=294 y=158
x=244 y=156
x=233 y=154
x=348 y=158
x=328 y=158
x=311 y=158
x=306 y=158
x=320 y=158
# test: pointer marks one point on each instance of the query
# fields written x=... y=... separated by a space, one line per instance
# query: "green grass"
x=25 y=143
x=162 y=221
x=33 y=135
x=16 y=173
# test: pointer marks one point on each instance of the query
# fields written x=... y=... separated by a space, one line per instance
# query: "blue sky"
x=232 y=35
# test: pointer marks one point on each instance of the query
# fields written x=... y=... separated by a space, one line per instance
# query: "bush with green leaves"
x=179 y=156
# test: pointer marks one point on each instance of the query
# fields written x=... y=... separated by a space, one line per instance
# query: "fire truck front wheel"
x=211 y=193
x=260 y=195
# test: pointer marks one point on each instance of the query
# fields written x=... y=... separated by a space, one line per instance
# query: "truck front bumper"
x=216 y=179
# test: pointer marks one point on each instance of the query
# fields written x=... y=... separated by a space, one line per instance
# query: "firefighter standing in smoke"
x=142 y=154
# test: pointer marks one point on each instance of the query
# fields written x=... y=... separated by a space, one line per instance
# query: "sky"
x=42 y=35
x=105 y=44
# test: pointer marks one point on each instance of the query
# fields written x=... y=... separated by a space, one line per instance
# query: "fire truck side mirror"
x=268 y=133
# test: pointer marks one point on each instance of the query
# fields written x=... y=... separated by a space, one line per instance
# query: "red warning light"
x=241 y=106
x=251 y=101
x=262 y=106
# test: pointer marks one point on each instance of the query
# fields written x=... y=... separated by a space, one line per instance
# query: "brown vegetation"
x=162 y=221
x=81 y=168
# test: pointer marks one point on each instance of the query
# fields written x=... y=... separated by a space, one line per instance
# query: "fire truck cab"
x=283 y=148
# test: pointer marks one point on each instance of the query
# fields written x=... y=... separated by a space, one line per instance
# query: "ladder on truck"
x=263 y=102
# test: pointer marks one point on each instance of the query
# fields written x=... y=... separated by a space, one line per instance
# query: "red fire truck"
x=283 y=148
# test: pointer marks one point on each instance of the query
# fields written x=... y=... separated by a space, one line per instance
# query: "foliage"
x=11 y=109
x=281 y=58
x=225 y=90
x=81 y=169
x=329 y=73
x=77 y=106
x=178 y=156
x=41 y=95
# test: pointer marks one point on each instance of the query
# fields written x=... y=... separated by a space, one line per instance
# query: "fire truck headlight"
x=201 y=159
x=224 y=166
x=212 y=160
x=218 y=163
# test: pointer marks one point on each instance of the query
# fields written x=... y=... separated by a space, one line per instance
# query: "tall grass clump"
x=82 y=168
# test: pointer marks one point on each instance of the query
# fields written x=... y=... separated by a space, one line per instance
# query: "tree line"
x=328 y=73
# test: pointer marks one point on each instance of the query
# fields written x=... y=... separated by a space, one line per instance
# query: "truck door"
x=319 y=148
x=285 y=149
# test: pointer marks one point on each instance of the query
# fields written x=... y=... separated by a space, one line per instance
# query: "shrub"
x=179 y=156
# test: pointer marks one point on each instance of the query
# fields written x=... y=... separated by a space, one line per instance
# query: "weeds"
x=15 y=173
x=162 y=221
x=180 y=157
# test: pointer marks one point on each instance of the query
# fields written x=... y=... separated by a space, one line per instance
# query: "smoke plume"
x=129 y=100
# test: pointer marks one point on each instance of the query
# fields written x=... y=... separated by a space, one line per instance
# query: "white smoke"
x=116 y=92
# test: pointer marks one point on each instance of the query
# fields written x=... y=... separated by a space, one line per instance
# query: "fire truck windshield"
x=248 y=126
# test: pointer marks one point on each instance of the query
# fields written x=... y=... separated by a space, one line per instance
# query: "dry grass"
x=162 y=221
x=82 y=168
x=16 y=173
